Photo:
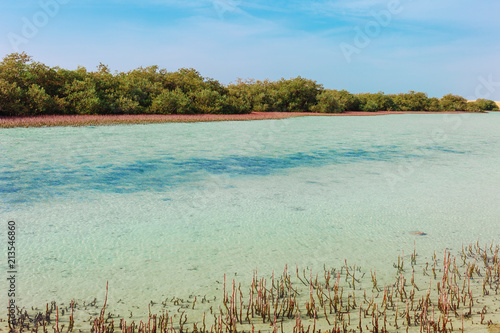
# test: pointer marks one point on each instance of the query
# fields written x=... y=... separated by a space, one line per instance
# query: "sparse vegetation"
x=446 y=293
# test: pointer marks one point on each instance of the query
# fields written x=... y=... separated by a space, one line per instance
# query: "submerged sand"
x=443 y=293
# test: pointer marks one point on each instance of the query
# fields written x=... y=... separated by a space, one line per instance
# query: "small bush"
x=38 y=102
x=126 y=105
x=371 y=106
x=346 y=100
x=11 y=97
x=453 y=103
x=207 y=101
x=236 y=105
x=411 y=101
x=482 y=105
x=171 y=102
x=80 y=97
x=327 y=103
x=434 y=104
x=376 y=102
x=295 y=95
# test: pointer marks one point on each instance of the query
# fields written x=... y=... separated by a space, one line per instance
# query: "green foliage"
x=263 y=95
x=346 y=100
x=38 y=102
x=473 y=107
x=376 y=102
x=236 y=105
x=327 y=103
x=32 y=88
x=215 y=85
x=14 y=68
x=11 y=97
x=239 y=97
x=141 y=85
x=482 y=105
x=80 y=97
x=434 y=104
x=453 y=103
x=251 y=95
x=207 y=101
x=171 y=102
x=294 y=95
x=125 y=105
x=186 y=79
x=370 y=106
x=411 y=101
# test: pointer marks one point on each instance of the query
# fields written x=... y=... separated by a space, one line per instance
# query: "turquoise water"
x=166 y=210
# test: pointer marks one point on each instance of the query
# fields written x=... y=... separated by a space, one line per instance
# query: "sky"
x=394 y=46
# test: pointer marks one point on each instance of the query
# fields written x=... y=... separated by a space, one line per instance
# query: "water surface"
x=168 y=209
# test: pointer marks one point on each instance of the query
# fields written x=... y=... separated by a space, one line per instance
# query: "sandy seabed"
x=96 y=120
x=338 y=299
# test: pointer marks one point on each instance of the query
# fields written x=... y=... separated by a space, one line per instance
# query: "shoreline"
x=105 y=120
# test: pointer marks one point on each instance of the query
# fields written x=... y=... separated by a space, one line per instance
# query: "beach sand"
x=96 y=120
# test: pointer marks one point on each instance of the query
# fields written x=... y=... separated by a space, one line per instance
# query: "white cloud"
x=417 y=51
x=349 y=9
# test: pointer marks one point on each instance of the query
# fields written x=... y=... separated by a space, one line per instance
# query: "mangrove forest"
x=30 y=88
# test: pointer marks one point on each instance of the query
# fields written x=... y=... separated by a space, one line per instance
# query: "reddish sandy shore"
x=95 y=120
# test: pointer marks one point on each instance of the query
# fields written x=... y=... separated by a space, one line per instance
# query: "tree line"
x=30 y=88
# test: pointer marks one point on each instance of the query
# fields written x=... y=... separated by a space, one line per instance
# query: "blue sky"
x=435 y=46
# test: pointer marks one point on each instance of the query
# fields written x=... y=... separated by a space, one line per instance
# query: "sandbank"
x=99 y=120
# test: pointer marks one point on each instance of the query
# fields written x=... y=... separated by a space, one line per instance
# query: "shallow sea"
x=167 y=209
